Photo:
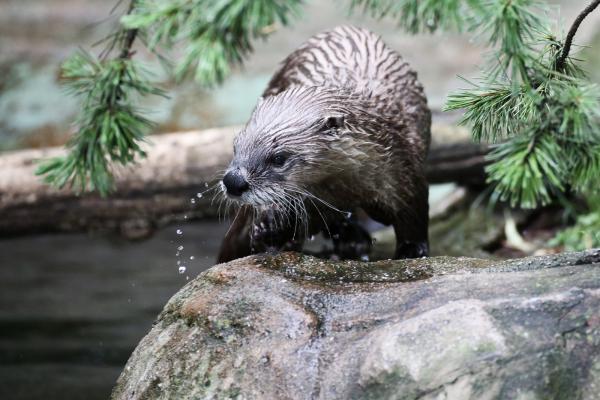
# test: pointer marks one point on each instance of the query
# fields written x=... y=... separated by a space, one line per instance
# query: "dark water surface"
x=73 y=307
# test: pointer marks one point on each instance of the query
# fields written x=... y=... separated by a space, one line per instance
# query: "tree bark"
x=163 y=187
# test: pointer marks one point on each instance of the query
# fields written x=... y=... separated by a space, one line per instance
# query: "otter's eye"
x=334 y=122
x=279 y=159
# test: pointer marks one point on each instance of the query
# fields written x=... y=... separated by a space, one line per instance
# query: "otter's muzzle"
x=235 y=183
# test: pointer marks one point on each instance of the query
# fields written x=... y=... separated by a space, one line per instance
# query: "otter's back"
x=356 y=58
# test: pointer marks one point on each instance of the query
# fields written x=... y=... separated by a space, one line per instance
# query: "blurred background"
x=73 y=306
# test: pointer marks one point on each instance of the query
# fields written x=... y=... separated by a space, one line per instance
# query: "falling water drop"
x=180 y=248
x=199 y=195
x=179 y=232
x=182 y=269
x=192 y=257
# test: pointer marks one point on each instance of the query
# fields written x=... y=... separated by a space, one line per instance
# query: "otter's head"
x=287 y=147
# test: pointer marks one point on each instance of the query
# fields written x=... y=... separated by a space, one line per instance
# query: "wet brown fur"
x=371 y=158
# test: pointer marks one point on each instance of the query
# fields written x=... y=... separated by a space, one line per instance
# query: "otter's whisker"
x=290 y=204
x=310 y=195
x=321 y=215
x=233 y=222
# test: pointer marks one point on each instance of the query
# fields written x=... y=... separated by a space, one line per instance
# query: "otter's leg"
x=350 y=240
x=236 y=243
x=411 y=227
x=248 y=235
x=410 y=222
x=409 y=247
x=272 y=234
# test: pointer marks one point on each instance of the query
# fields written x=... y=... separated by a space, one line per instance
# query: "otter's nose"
x=235 y=183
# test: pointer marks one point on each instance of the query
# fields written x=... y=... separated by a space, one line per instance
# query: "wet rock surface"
x=296 y=327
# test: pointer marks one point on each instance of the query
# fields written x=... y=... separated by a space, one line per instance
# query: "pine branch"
x=110 y=128
x=129 y=34
x=560 y=62
x=547 y=120
x=421 y=15
x=217 y=34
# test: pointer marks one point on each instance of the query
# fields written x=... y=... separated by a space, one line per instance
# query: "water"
x=73 y=306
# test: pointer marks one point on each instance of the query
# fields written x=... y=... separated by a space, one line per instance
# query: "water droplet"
x=364 y=257
x=182 y=269
x=192 y=257
x=178 y=262
x=199 y=195
x=179 y=232
x=193 y=201
x=205 y=184
x=349 y=215
x=180 y=248
x=311 y=238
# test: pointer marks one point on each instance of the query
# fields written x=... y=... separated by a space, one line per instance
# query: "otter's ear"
x=334 y=122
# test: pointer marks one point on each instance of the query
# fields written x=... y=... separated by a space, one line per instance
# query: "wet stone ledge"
x=296 y=327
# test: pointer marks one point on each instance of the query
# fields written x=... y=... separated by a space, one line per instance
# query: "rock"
x=295 y=327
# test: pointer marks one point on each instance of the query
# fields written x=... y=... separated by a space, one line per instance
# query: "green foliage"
x=420 y=15
x=585 y=233
x=545 y=122
x=511 y=26
x=216 y=33
x=110 y=129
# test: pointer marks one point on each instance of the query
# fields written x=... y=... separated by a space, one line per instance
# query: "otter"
x=343 y=126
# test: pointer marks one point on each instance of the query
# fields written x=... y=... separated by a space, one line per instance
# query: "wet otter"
x=343 y=125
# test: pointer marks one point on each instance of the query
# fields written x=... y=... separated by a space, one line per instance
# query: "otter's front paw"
x=407 y=249
x=270 y=234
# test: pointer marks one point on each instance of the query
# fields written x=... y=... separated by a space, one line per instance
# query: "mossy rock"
x=292 y=326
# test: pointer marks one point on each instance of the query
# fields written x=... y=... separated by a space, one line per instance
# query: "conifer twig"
x=560 y=63
x=130 y=35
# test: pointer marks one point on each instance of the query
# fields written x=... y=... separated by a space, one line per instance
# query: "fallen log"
x=462 y=163
x=171 y=184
